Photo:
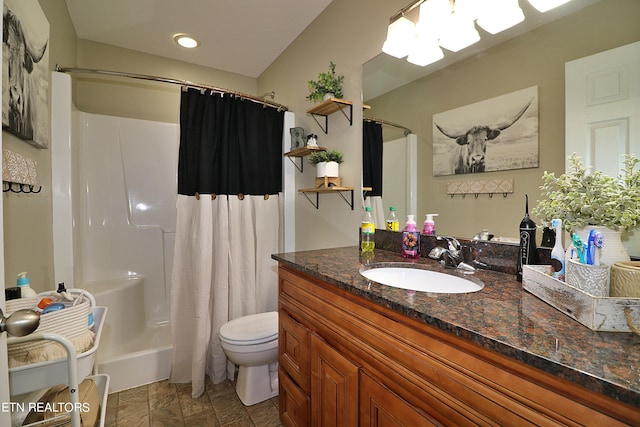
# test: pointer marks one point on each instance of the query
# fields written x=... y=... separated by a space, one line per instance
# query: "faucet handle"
x=451 y=258
x=452 y=242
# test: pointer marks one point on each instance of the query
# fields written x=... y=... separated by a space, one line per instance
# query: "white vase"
x=331 y=169
x=327 y=96
x=321 y=169
x=613 y=250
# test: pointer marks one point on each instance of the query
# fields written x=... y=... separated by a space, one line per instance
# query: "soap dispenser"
x=429 y=227
x=410 y=239
x=25 y=286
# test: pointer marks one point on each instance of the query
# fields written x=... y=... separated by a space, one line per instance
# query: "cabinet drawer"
x=294 y=404
x=293 y=350
x=379 y=406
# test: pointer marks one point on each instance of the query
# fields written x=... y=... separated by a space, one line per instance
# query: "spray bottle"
x=429 y=227
x=557 y=253
x=410 y=239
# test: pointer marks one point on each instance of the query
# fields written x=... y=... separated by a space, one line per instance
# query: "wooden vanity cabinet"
x=345 y=361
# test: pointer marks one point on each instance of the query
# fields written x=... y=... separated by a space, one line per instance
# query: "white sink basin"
x=421 y=280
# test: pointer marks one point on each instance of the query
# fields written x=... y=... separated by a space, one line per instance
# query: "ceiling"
x=239 y=36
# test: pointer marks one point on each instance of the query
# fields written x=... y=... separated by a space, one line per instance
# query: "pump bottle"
x=25 y=286
x=429 y=227
x=410 y=239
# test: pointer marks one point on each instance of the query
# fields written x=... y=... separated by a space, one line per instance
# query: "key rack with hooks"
x=477 y=187
x=19 y=173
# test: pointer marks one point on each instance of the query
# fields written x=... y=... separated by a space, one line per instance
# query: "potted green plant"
x=585 y=199
x=328 y=85
x=327 y=163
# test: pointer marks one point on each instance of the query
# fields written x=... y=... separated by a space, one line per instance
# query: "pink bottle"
x=410 y=239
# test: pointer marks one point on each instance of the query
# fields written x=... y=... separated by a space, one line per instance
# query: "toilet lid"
x=252 y=329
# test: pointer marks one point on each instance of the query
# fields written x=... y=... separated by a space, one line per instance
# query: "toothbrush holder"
x=592 y=279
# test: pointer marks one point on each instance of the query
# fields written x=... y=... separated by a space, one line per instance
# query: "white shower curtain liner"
x=222 y=270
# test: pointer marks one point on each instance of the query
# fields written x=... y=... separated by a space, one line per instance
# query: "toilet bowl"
x=251 y=343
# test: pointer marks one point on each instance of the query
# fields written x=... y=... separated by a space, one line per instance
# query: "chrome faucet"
x=452 y=242
x=452 y=257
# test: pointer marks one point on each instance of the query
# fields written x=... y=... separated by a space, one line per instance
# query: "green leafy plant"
x=318 y=157
x=325 y=156
x=334 y=156
x=581 y=197
x=328 y=82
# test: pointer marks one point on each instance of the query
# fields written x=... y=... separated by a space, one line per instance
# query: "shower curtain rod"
x=407 y=131
x=173 y=81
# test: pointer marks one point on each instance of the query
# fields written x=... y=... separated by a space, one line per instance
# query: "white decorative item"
x=596 y=313
x=593 y=279
x=330 y=169
x=321 y=169
x=612 y=250
x=328 y=96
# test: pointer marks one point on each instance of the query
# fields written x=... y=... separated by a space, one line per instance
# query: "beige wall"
x=348 y=32
x=534 y=59
x=141 y=99
x=28 y=233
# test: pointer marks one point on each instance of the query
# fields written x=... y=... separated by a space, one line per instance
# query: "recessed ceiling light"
x=186 y=41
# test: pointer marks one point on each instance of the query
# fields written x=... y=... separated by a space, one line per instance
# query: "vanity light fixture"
x=185 y=41
x=451 y=24
x=545 y=5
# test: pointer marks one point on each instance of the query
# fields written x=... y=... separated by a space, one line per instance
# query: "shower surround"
x=114 y=190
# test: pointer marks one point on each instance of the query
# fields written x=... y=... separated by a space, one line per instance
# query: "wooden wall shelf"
x=300 y=153
x=324 y=190
x=328 y=107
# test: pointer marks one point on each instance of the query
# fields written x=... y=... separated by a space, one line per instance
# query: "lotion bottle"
x=410 y=239
x=25 y=286
x=557 y=253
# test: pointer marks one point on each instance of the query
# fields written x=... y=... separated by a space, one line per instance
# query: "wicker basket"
x=72 y=323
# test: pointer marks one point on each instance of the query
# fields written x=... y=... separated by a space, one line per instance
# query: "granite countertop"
x=502 y=317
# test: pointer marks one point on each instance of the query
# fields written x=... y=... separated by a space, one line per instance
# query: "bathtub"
x=132 y=351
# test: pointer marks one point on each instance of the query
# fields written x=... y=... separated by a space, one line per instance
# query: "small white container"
x=25 y=286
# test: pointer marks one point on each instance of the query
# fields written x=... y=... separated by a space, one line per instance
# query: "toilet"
x=251 y=343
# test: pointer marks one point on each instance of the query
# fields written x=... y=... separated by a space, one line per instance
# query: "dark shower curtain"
x=372 y=157
x=228 y=145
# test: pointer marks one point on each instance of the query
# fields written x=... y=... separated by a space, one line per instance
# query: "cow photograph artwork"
x=25 y=71
x=500 y=133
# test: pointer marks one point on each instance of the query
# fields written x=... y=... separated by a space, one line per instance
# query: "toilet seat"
x=251 y=330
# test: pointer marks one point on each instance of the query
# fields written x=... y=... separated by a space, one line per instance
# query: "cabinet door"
x=334 y=386
x=381 y=407
x=293 y=350
x=293 y=403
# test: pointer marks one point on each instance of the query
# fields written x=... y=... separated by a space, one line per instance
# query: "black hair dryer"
x=528 y=253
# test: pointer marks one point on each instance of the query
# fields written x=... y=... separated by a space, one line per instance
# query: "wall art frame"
x=499 y=133
x=25 y=72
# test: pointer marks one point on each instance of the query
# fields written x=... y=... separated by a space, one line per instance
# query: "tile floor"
x=170 y=405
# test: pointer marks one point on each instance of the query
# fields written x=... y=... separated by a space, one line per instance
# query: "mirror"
x=530 y=54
